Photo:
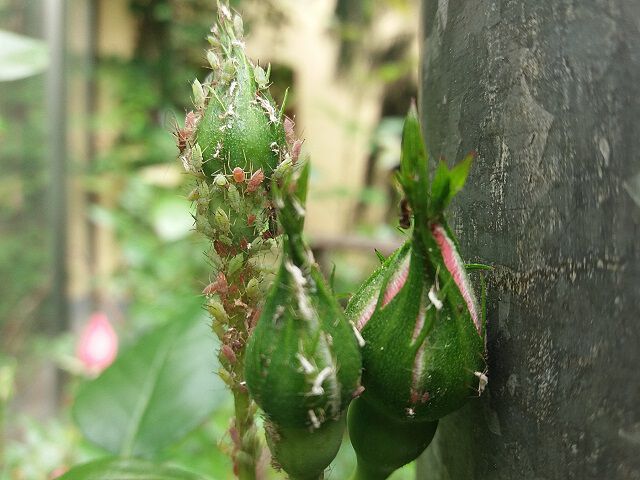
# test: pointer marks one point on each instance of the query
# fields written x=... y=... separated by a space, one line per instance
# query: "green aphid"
x=235 y=200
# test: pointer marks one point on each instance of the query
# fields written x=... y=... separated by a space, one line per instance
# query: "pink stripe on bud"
x=366 y=313
x=456 y=268
x=422 y=315
x=397 y=281
x=416 y=377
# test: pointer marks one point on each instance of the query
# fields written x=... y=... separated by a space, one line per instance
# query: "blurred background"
x=96 y=243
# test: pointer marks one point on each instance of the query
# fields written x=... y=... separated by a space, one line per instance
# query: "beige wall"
x=336 y=114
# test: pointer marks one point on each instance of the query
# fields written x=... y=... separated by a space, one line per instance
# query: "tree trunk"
x=548 y=95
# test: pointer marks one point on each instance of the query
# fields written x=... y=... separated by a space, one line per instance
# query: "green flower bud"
x=424 y=355
x=238 y=120
x=302 y=362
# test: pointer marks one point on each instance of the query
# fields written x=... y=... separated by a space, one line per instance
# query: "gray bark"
x=548 y=94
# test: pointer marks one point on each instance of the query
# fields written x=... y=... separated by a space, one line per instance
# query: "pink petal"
x=98 y=344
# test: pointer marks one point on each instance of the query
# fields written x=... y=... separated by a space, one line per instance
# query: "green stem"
x=244 y=423
x=2 y=438
x=363 y=472
x=293 y=477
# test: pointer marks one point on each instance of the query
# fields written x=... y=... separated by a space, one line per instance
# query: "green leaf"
x=302 y=183
x=458 y=175
x=127 y=469
x=440 y=189
x=447 y=183
x=155 y=393
x=413 y=176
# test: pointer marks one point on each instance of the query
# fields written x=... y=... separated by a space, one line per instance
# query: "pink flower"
x=98 y=344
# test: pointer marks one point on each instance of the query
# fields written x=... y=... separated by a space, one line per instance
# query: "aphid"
x=405 y=214
x=238 y=28
x=358 y=391
x=296 y=148
x=221 y=220
x=220 y=180
x=234 y=198
x=196 y=157
x=261 y=77
x=228 y=353
x=198 y=94
x=182 y=138
x=219 y=285
x=193 y=195
x=255 y=180
x=289 y=130
x=238 y=175
x=224 y=11
x=191 y=120
x=213 y=60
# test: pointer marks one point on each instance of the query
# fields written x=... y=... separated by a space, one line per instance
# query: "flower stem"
x=246 y=460
x=363 y=472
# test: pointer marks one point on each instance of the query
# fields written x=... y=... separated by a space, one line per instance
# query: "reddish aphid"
x=184 y=135
x=358 y=391
x=256 y=179
x=405 y=214
x=251 y=219
x=228 y=353
x=219 y=285
x=289 y=130
x=238 y=175
x=295 y=150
